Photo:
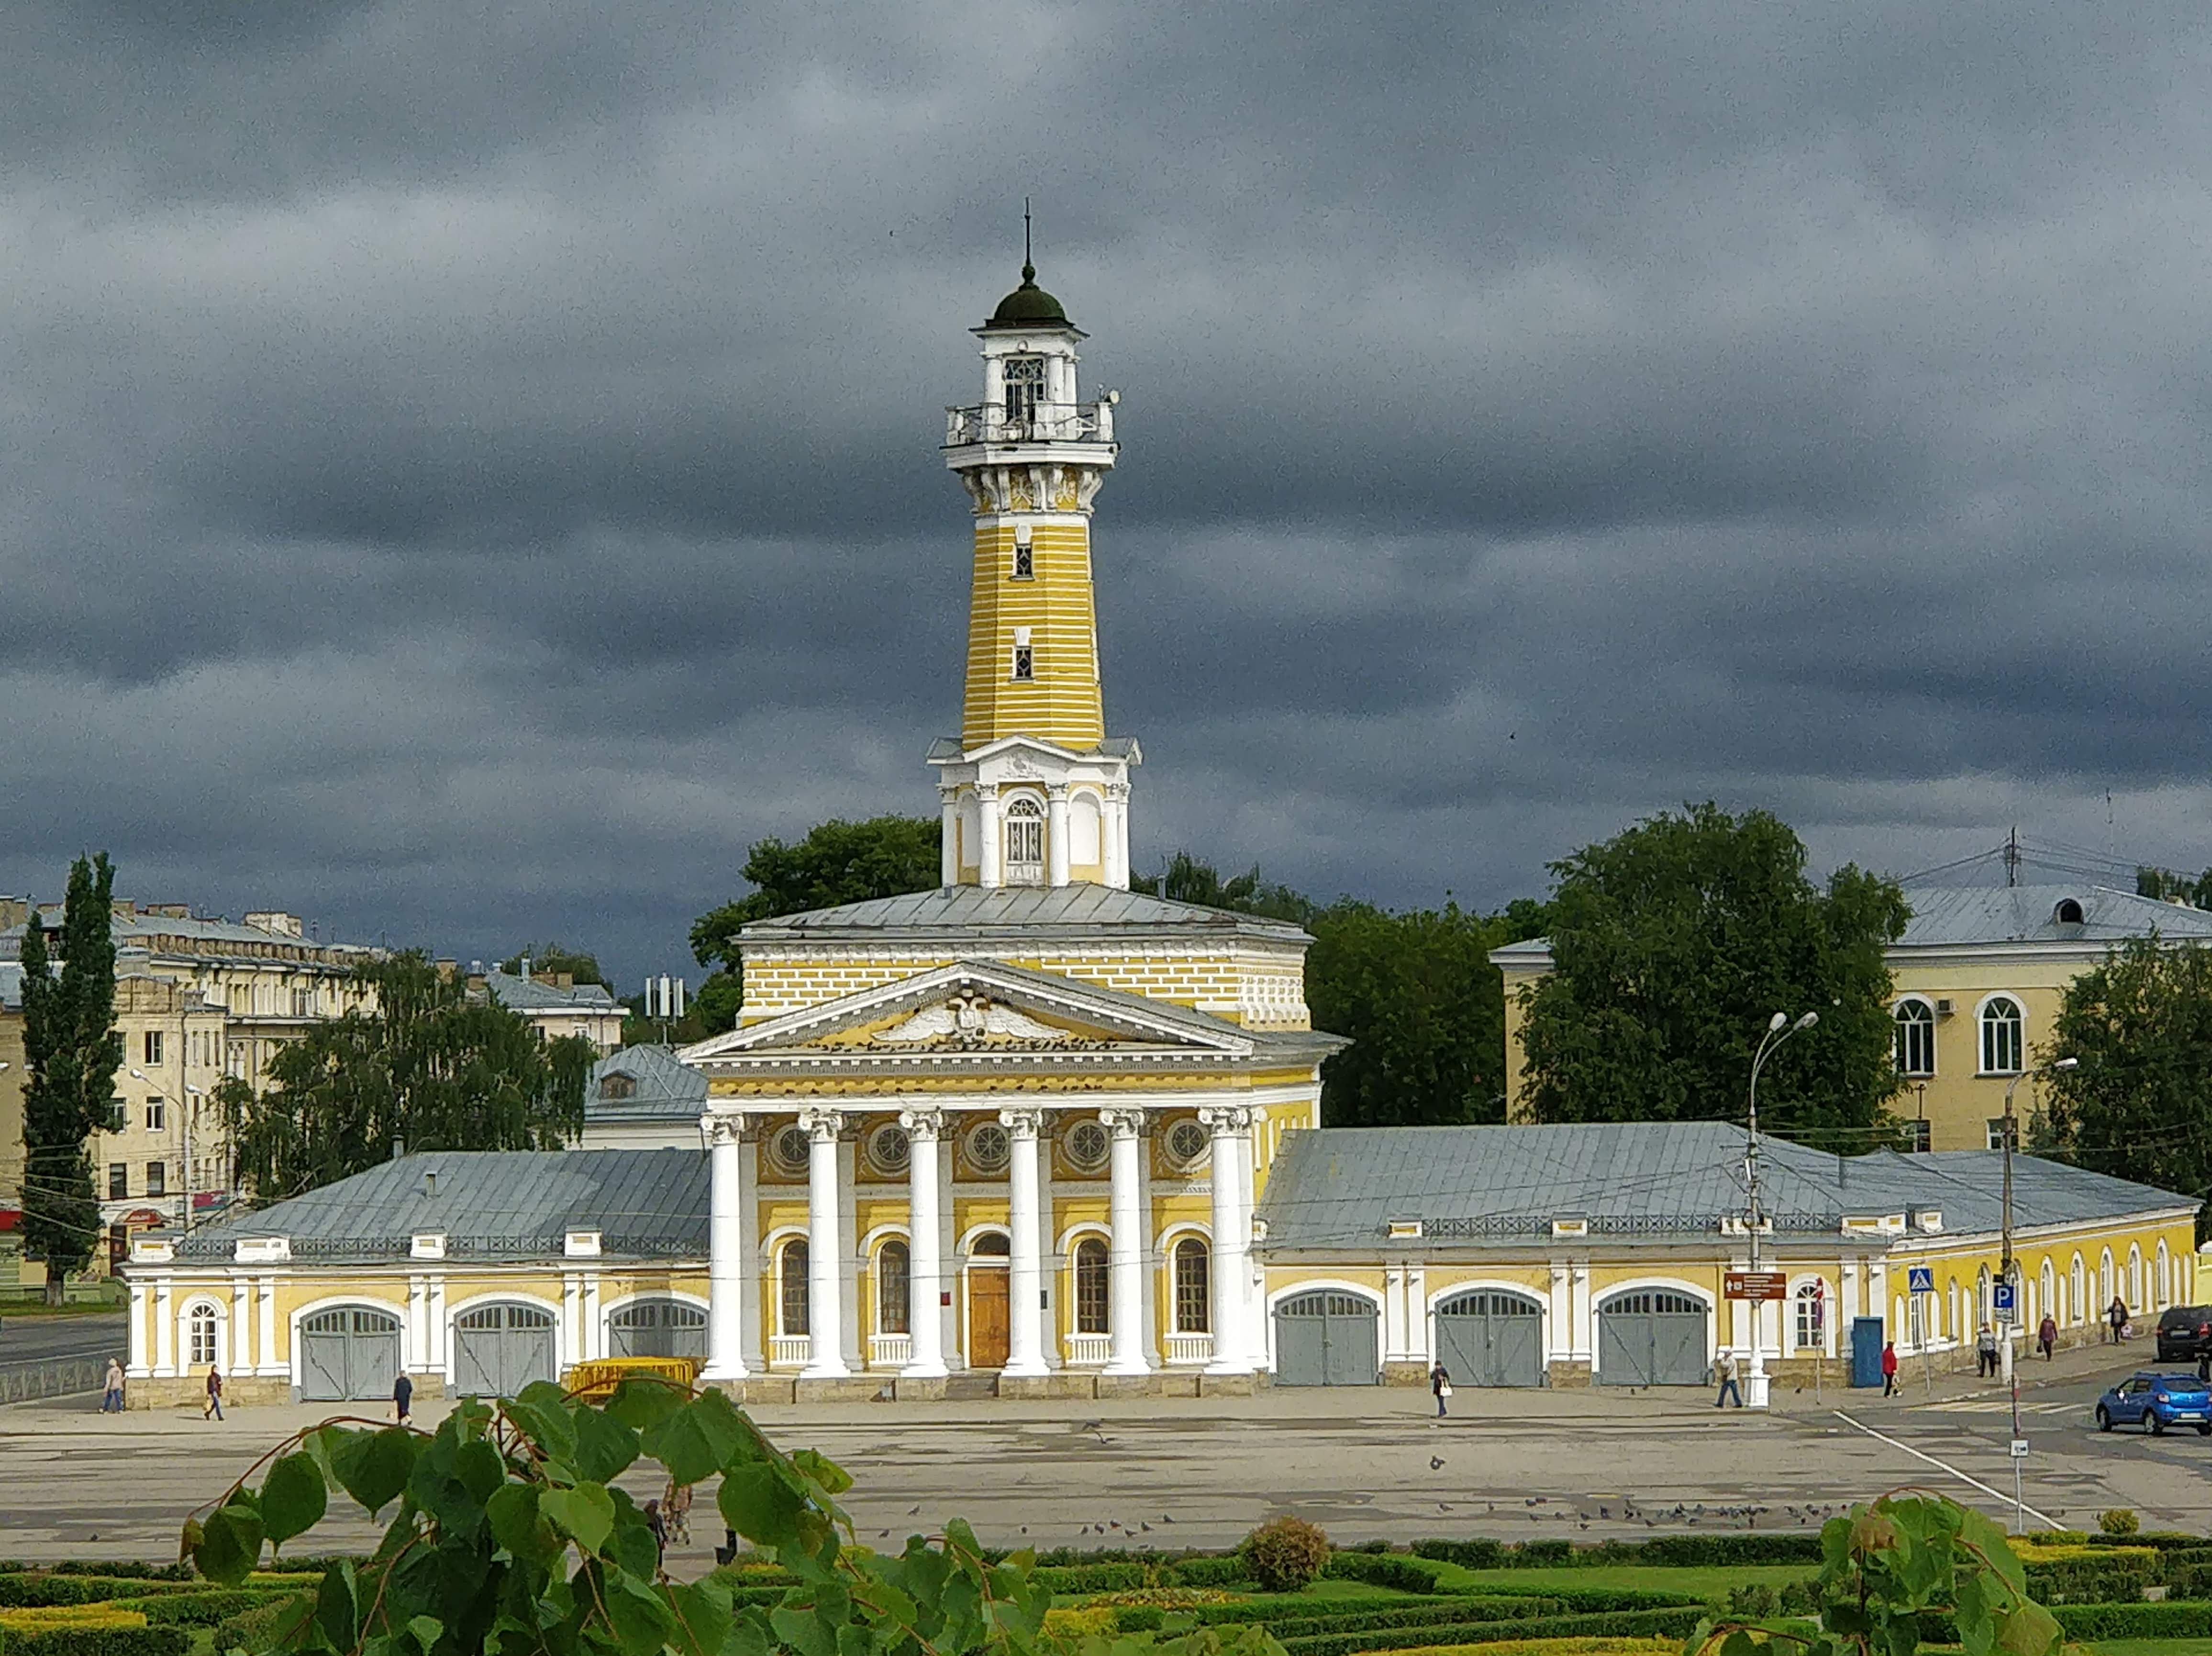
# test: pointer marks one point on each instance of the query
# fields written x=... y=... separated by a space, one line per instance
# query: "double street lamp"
x=1780 y=1028
x=2005 y=1267
x=185 y=1139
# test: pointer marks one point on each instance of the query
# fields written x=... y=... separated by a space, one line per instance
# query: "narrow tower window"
x=1025 y=564
x=1025 y=389
x=1025 y=843
x=1024 y=661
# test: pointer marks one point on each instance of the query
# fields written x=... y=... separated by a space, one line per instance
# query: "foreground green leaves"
x=1908 y=1569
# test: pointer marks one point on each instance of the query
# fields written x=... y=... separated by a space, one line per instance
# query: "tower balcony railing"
x=1040 y=423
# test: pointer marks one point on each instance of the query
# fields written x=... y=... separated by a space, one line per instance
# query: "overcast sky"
x=468 y=471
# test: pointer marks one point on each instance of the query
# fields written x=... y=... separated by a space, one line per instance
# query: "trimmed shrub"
x=20 y=1590
x=262 y=1629
x=2137 y=1621
x=2119 y=1520
x=111 y=1567
x=1613 y=1647
x=98 y=1641
x=1642 y=1623
x=1783 y=1547
x=1382 y=1570
x=1499 y=1609
x=1222 y=1570
x=2115 y=1576
x=1286 y=1554
x=204 y=1610
x=1476 y=1553
x=1544 y=1552
x=1086 y=1621
x=1095 y=1578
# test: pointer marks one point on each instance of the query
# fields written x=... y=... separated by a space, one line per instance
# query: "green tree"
x=1672 y=944
x=2139 y=1104
x=2168 y=886
x=838 y=862
x=429 y=1065
x=71 y=1052
x=1184 y=878
x=553 y=957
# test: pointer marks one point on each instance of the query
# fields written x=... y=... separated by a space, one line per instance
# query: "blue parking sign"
x=2004 y=1296
x=1920 y=1279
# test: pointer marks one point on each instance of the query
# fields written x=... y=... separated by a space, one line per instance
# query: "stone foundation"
x=854 y=1388
x=1396 y=1373
x=1566 y=1376
x=190 y=1391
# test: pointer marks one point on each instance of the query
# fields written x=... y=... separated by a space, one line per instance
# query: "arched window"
x=1954 y=1311
x=2002 y=1043
x=2135 y=1274
x=892 y=1286
x=2068 y=912
x=2108 y=1282
x=1192 y=1308
x=2164 y=1275
x=1090 y=1295
x=1024 y=843
x=1916 y=1039
x=199 y=1337
x=1025 y=383
x=2051 y=1307
x=1811 y=1322
x=2077 y=1303
x=793 y=1307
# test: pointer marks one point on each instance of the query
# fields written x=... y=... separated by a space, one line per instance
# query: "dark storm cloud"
x=467 y=472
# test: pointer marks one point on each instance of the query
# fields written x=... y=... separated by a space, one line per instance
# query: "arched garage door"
x=658 y=1327
x=1326 y=1338
x=1651 y=1337
x=499 y=1349
x=348 y=1353
x=1492 y=1338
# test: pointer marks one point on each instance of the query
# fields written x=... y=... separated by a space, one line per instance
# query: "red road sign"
x=1758 y=1284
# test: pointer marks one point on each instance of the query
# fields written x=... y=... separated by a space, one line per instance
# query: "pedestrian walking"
x=1725 y=1367
x=403 y=1399
x=1985 y=1353
x=658 y=1526
x=2047 y=1335
x=214 y=1409
x=2116 y=1315
x=676 y=1511
x=1889 y=1368
x=111 y=1400
x=1440 y=1384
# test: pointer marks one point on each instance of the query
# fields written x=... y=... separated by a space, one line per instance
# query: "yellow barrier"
x=597 y=1381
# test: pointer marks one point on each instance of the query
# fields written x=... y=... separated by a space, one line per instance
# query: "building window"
x=1024 y=388
x=893 y=1275
x=1191 y=1308
x=118 y=1180
x=2000 y=1037
x=1811 y=1322
x=793 y=1304
x=1918 y=1138
x=1025 y=843
x=617 y=1087
x=1087 y=1146
x=200 y=1336
x=153 y=1046
x=156 y=1117
x=1997 y=1133
x=1024 y=562
x=118 y=1114
x=1916 y=1039
x=1091 y=1286
x=157 y=1179
x=1024 y=661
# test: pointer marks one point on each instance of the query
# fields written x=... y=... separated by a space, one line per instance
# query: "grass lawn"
x=1707 y=1582
x=2148 y=1647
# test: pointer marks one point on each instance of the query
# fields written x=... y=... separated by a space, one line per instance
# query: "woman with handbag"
x=1440 y=1382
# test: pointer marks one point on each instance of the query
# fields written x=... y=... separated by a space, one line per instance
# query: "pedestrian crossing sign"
x=1920 y=1279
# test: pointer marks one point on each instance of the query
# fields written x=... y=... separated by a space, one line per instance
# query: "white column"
x=726 y=1283
x=242 y=1359
x=165 y=1331
x=1252 y=1299
x=825 y=1350
x=989 y=843
x=926 y=1263
x=1418 y=1344
x=439 y=1360
x=141 y=1307
x=595 y=1326
x=1394 y=1312
x=948 y=854
x=1125 y=1259
x=1113 y=829
x=1232 y=1232
x=1025 y=1272
x=265 y=1291
x=1055 y=834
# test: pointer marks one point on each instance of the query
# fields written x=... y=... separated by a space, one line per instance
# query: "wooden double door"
x=987 y=1320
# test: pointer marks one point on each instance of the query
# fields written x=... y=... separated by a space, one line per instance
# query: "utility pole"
x=2005 y=1276
x=1778 y=1030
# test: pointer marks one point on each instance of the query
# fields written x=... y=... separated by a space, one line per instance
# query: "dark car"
x=2156 y=1402
x=2184 y=1333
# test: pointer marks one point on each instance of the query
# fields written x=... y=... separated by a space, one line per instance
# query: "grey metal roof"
x=1642 y=1181
x=140 y=931
x=490 y=1204
x=1955 y=914
x=666 y=1087
x=1020 y=912
x=946 y=750
x=521 y=994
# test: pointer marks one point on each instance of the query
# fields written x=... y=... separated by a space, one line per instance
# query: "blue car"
x=2157 y=1401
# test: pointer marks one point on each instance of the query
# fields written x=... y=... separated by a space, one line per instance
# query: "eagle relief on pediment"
x=974 y=1022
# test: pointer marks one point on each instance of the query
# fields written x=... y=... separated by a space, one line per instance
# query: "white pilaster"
x=1251 y=1309
x=848 y=1251
x=924 y=1129
x=595 y=1326
x=264 y=1300
x=141 y=1308
x=1418 y=1346
x=1232 y=1237
x=1025 y=1269
x=165 y=1329
x=948 y=855
x=990 y=839
x=1113 y=825
x=726 y=1250
x=437 y=1309
x=1394 y=1312
x=243 y=1359
x=825 y=1349
x=1125 y=1259
x=1055 y=834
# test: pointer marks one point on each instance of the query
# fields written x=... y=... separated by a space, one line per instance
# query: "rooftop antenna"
x=2012 y=858
x=1029 y=265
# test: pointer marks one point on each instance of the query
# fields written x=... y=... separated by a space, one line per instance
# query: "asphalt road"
x=32 y=1342
x=1362 y=1463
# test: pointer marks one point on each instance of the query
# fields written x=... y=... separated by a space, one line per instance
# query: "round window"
x=990 y=1149
x=1085 y=1147
x=788 y=1149
x=889 y=1152
x=1187 y=1141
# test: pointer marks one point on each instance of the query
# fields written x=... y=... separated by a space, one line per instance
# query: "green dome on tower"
x=1028 y=307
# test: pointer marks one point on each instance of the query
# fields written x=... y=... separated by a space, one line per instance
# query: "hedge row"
x=1488 y=1608
x=25 y=1592
x=98 y=1641
x=2115 y=1577
x=1480 y=1553
x=1383 y=1570
x=2136 y=1621
x=204 y=1610
x=1644 y=1623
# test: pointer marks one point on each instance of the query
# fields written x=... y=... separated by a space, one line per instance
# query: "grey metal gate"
x=658 y=1327
x=499 y=1349
x=1490 y=1338
x=1651 y=1337
x=348 y=1353
x=1326 y=1338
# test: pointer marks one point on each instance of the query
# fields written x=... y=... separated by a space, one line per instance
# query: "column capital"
x=987 y=790
x=724 y=1129
x=1122 y=1123
x=1056 y=790
x=1117 y=790
x=949 y=792
x=1227 y=1120
x=821 y=1125
x=923 y=1124
x=1022 y=1123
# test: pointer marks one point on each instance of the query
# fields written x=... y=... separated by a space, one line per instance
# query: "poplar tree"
x=72 y=1052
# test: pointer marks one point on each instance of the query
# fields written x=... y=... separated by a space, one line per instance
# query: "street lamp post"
x=184 y=1139
x=2005 y=1274
x=1778 y=1030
